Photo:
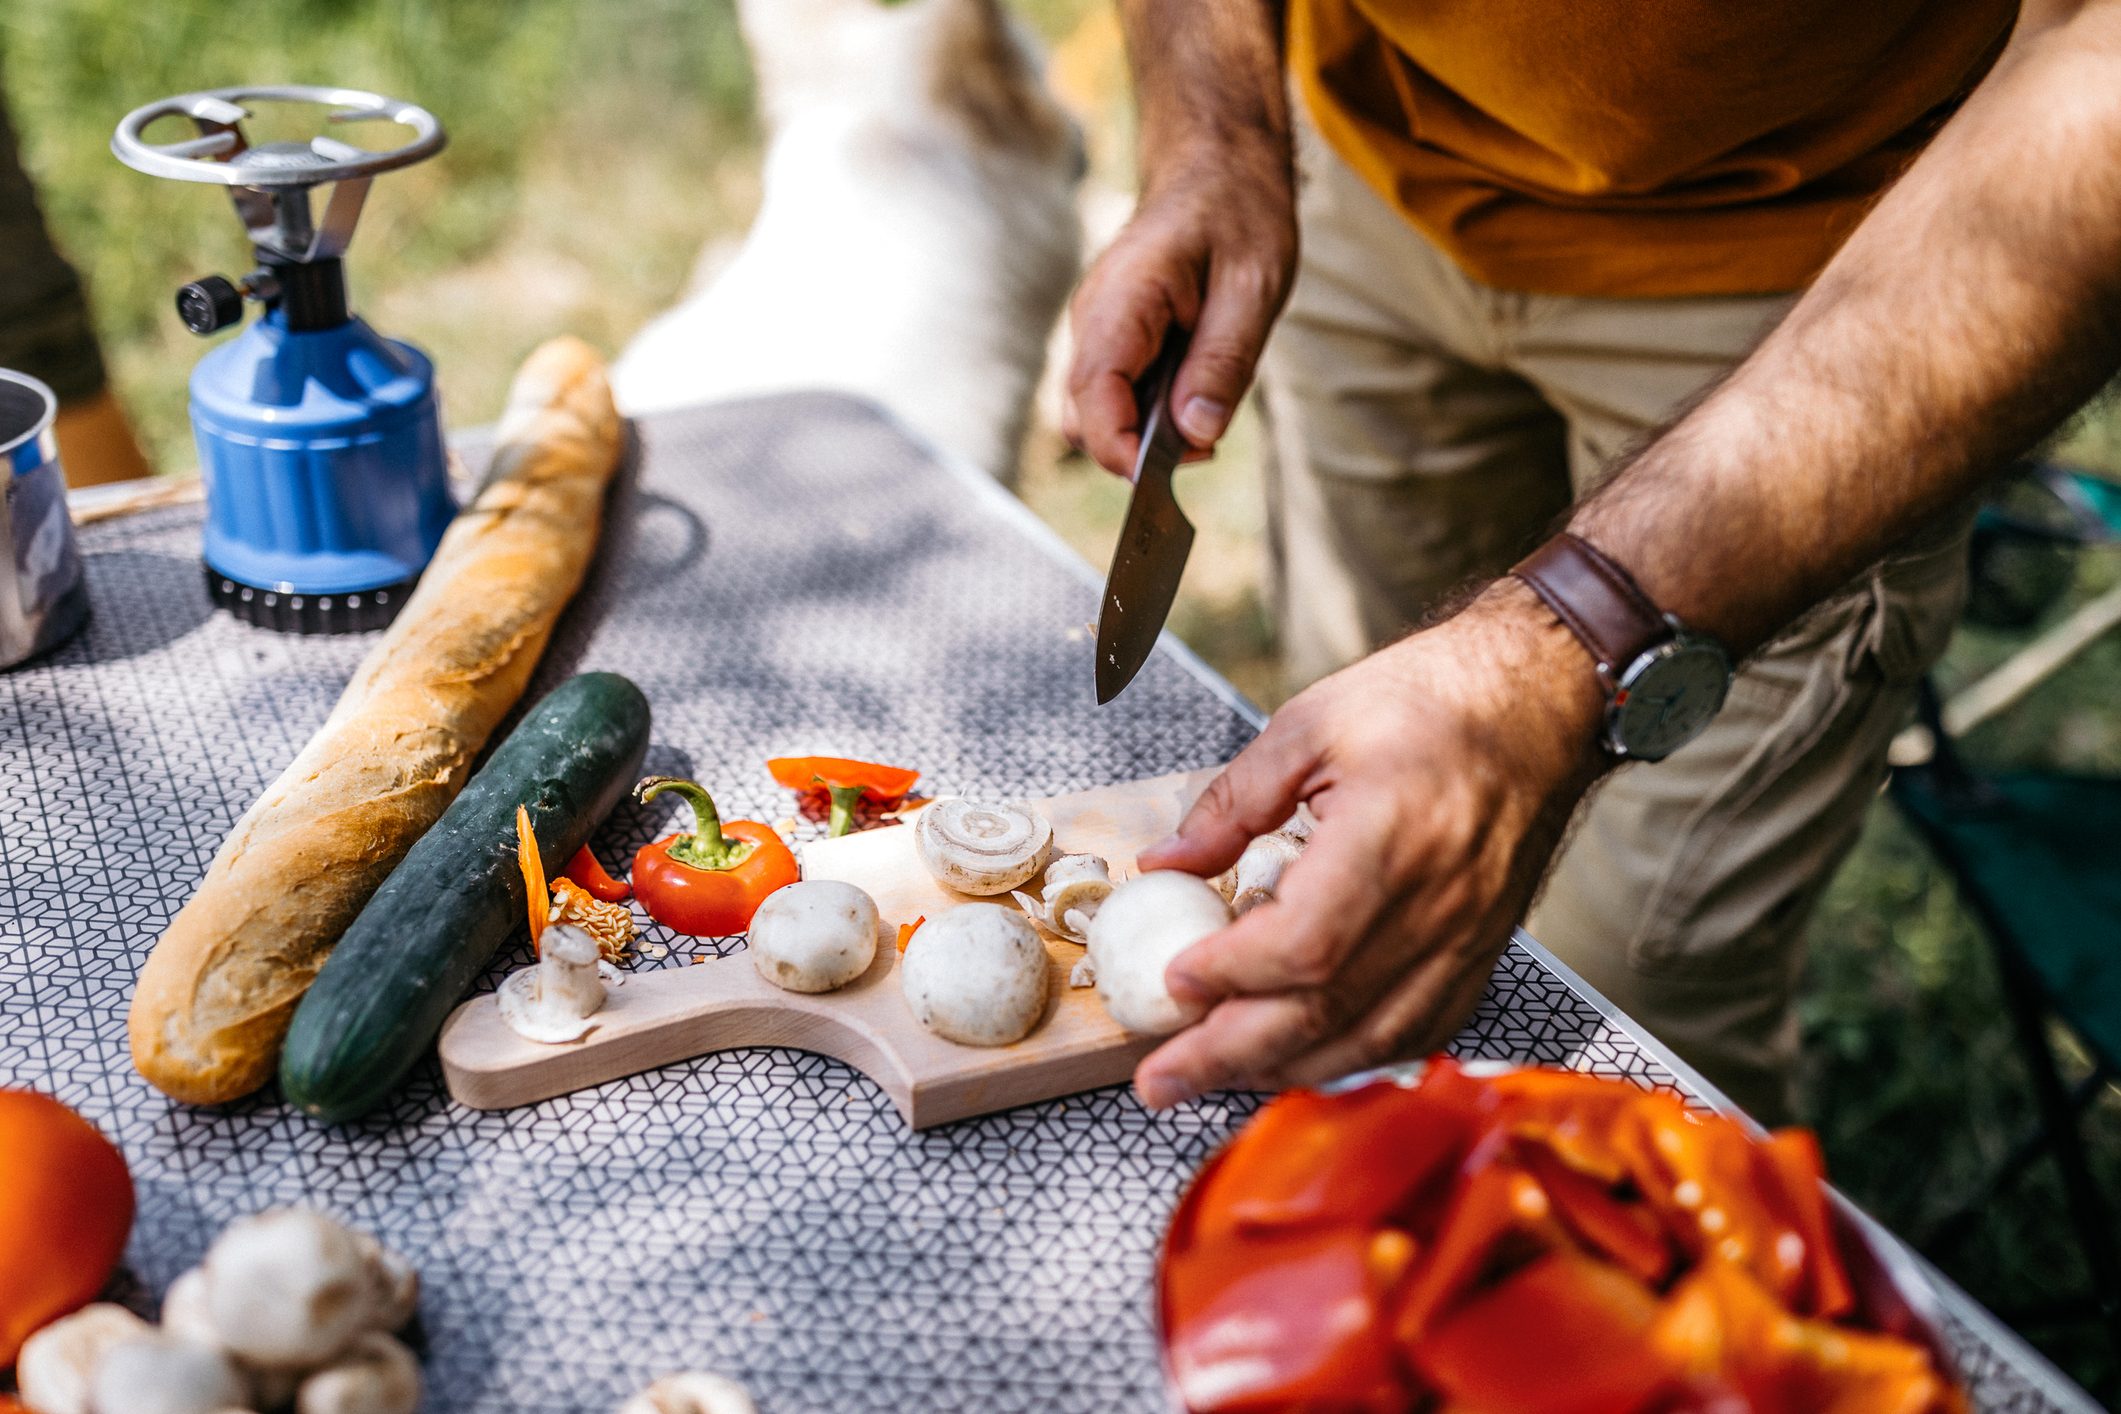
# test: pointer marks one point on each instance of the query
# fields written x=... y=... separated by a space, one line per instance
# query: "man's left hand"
x=1441 y=772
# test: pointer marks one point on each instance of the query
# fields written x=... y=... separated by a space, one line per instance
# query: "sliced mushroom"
x=1074 y=886
x=691 y=1393
x=375 y=1375
x=57 y=1364
x=814 y=935
x=976 y=975
x=1083 y=974
x=556 y=998
x=1138 y=930
x=157 y=1373
x=288 y=1289
x=982 y=849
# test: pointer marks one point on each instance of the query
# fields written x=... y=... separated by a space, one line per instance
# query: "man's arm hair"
x=1971 y=311
x=1208 y=82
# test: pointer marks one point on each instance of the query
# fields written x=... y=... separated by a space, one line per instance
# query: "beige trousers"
x=1425 y=430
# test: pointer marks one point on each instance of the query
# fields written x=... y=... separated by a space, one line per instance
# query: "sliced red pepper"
x=847 y=782
x=907 y=930
x=1500 y=1217
x=708 y=881
x=1793 y=1174
x=1627 y=1232
x=587 y=872
x=1723 y=1324
x=1353 y=1159
x=537 y=898
x=1575 y=1115
x=1285 y=1323
x=1567 y=1334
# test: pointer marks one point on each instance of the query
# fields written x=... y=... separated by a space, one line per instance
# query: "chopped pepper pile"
x=1537 y=1241
x=846 y=782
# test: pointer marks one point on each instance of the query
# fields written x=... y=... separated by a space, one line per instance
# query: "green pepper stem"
x=704 y=846
x=844 y=799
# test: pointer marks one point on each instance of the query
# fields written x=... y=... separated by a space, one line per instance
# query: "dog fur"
x=917 y=235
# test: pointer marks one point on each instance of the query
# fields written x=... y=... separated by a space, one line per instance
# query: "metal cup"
x=43 y=596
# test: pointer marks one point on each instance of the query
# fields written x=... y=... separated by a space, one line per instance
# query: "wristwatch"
x=1663 y=682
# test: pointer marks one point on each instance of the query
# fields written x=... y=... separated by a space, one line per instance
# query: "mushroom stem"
x=553 y=999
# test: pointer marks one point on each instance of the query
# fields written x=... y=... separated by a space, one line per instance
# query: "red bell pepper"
x=1283 y=1323
x=588 y=872
x=1354 y=1159
x=846 y=782
x=708 y=881
x=1626 y=1232
x=1794 y=1177
x=1567 y=1334
x=1499 y=1218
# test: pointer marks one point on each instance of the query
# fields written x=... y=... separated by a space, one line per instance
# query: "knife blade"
x=1155 y=539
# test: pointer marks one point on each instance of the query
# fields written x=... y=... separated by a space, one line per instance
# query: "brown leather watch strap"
x=1595 y=599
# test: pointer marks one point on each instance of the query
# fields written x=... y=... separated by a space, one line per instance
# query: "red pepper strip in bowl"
x=1283 y=1323
x=589 y=874
x=708 y=881
x=1313 y=1160
x=847 y=782
x=1626 y=1233
x=1794 y=1175
x=1565 y=1335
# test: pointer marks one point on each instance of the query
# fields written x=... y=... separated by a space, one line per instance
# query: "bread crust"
x=213 y=1002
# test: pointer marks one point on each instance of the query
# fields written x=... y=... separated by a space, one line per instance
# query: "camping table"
x=778 y=575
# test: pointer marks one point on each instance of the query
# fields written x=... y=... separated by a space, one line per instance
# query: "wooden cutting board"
x=665 y=1015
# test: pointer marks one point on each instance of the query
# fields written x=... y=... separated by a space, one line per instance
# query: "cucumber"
x=382 y=996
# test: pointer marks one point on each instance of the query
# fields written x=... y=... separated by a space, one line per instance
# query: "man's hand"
x=1441 y=771
x=1212 y=246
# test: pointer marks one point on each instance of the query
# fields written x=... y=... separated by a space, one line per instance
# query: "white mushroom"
x=1138 y=930
x=691 y=1393
x=157 y=1373
x=1074 y=886
x=976 y=975
x=556 y=999
x=288 y=1289
x=1084 y=973
x=1257 y=873
x=814 y=935
x=376 y=1375
x=57 y=1363
x=982 y=849
x=397 y=1285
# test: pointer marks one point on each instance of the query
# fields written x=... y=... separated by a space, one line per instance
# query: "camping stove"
x=319 y=440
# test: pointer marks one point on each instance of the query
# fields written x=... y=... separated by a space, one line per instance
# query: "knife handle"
x=1152 y=391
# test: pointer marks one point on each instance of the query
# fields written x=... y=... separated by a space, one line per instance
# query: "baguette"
x=213 y=1002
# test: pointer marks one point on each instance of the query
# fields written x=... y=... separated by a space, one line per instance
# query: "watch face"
x=1667 y=696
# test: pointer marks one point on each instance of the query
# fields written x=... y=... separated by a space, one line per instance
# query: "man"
x=1532 y=230
x=45 y=332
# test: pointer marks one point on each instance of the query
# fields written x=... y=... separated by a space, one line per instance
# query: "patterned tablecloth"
x=778 y=576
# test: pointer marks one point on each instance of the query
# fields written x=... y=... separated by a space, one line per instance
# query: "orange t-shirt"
x=1636 y=147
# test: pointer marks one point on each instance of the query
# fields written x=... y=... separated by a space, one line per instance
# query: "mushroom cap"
x=814 y=935
x=375 y=1375
x=57 y=1363
x=982 y=849
x=976 y=975
x=157 y=1373
x=1137 y=930
x=691 y=1393
x=288 y=1289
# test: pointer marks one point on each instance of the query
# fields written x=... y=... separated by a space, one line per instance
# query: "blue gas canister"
x=319 y=440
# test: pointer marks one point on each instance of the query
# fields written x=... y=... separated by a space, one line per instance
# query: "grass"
x=593 y=149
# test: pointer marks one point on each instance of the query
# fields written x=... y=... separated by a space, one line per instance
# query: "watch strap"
x=1595 y=599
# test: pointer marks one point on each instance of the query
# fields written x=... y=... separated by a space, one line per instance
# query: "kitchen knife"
x=1154 y=542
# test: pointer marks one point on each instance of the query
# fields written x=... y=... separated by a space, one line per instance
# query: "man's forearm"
x=1208 y=82
x=1976 y=306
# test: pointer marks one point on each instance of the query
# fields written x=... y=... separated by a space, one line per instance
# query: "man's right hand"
x=1212 y=245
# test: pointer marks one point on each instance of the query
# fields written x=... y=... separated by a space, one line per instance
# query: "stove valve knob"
x=210 y=305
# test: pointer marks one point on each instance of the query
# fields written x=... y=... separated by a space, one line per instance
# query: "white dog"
x=917 y=236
